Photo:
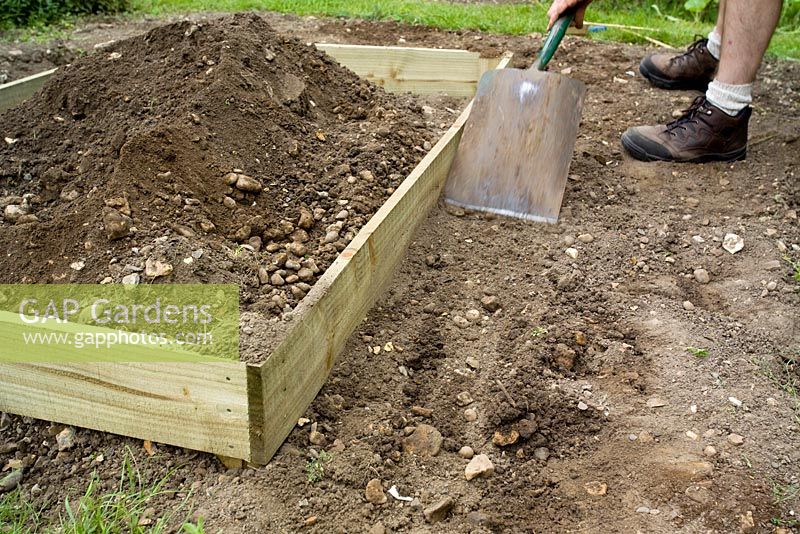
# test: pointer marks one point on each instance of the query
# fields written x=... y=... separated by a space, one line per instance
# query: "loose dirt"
x=223 y=150
x=571 y=374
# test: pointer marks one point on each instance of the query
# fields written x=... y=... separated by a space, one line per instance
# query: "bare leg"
x=720 y=17
x=747 y=28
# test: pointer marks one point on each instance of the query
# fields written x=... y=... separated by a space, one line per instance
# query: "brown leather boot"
x=693 y=69
x=703 y=133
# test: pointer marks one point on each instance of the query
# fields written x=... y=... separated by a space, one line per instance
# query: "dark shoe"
x=693 y=69
x=703 y=133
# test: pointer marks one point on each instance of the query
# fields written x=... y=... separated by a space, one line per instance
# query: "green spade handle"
x=553 y=40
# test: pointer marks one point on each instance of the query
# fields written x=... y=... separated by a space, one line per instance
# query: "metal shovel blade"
x=515 y=151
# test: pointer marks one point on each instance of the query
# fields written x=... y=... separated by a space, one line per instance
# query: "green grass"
x=782 y=493
x=120 y=510
x=700 y=353
x=538 y=331
x=668 y=23
x=514 y=19
x=795 y=269
x=17 y=515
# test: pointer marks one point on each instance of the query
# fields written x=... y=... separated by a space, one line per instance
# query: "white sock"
x=714 y=43
x=730 y=98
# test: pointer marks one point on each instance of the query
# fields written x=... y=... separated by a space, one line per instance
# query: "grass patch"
x=782 y=493
x=665 y=24
x=700 y=353
x=786 y=377
x=538 y=331
x=124 y=509
x=795 y=269
x=315 y=469
x=17 y=515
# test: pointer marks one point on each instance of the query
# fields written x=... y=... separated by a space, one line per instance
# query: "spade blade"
x=514 y=154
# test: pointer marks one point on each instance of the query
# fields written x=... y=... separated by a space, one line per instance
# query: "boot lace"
x=697 y=47
x=694 y=114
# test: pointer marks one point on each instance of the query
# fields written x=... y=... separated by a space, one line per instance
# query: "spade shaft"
x=514 y=154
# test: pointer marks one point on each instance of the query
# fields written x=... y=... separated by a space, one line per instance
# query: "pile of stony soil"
x=215 y=152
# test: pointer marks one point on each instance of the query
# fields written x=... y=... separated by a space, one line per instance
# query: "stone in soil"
x=438 y=512
x=466 y=452
x=117 y=225
x=702 y=276
x=374 y=492
x=464 y=399
x=316 y=437
x=460 y=321
x=425 y=441
x=10 y=481
x=565 y=357
x=155 y=269
x=732 y=243
x=736 y=439
x=66 y=439
x=504 y=440
x=596 y=488
x=491 y=303
x=479 y=466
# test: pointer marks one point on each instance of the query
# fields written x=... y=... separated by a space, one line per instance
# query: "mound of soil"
x=223 y=150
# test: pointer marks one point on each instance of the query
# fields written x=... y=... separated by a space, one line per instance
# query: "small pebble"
x=374 y=492
x=702 y=276
x=460 y=322
x=473 y=316
x=464 y=398
x=732 y=243
x=491 y=303
x=736 y=439
x=479 y=466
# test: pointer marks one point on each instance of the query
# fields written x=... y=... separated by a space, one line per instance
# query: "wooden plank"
x=295 y=372
x=200 y=406
x=416 y=70
x=16 y=92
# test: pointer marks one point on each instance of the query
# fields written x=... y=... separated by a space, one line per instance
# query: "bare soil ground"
x=578 y=381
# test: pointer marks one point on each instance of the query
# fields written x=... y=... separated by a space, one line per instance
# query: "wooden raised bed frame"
x=245 y=411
